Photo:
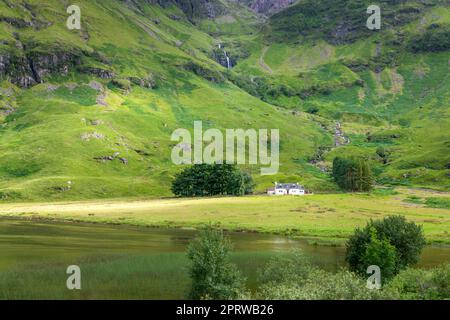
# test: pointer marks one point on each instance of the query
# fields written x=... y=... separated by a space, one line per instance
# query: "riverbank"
x=323 y=218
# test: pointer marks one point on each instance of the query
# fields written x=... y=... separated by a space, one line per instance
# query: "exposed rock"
x=104 y=158
x=101 y=99
x=6 y=108
x=123 y=84
x=96 y=85
x=111 y=158
x=146 y=82
x=269 y=6
x=142 y=152
x=32 y=67
x=16 y=22
x=194 y=9
x=59 y=63
x=87 y=136
x=206 y=73
x=98 y=72
x=52 y=87
x=174 y=17
x=96 y=122
x=71 y=86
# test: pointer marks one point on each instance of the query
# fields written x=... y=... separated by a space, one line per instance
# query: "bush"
x=293 y=268
x=406 y=237
x=213 y=276
x=422 y=284
x=384 y=154
x=212 y=179
x=442 y=203
x=293 y=278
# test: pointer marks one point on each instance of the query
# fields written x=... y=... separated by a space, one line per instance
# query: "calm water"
x=43 y=248
x=23 y=242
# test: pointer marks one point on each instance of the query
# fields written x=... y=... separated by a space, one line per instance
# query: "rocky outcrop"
x=112 y=158
x=144 y=82
x=98 y=72
x=87 y=136
x=204 y=72
x=270 y=6
x=27 y=68
x=17 y=69
x=194 y=9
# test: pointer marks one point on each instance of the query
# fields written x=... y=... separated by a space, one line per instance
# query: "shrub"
x=313 y=110
x=422 y=284
x=293 y=268
x=406 y=237
x=442 y=203
x=213 y=276
x=293 y=278
x=384 y=154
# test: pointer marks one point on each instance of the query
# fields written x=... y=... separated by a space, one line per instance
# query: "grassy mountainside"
x=389 y=89
x=138 y=70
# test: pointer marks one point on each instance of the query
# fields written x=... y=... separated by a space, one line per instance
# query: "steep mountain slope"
x=89 y=113
x=81 y=100
x=389 y=89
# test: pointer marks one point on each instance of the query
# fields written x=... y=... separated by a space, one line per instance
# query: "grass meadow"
x=323 y=218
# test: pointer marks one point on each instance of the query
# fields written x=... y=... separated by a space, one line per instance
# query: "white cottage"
x=282 y=189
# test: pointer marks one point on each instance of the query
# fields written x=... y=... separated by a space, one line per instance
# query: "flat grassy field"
x=325 y=218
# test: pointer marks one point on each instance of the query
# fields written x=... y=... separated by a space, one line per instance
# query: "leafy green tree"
x=212 y=274
x=406 y=237
x=352 y=174
x=381 y=253
x=212 y=179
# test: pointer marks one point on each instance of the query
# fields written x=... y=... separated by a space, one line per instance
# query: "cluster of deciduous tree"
x=202 y=180
x=352 y=174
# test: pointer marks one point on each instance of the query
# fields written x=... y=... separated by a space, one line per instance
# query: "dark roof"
x=289 y=186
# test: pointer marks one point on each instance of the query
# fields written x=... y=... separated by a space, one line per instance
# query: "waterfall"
x=226 y=56
x=228 y=60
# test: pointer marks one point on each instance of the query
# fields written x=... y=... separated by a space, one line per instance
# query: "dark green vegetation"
x=352 y=174
x=96 y=107
x=212 y=274
x=295 y=278
x=212 y=180
x=430 y=202
x=392 y=243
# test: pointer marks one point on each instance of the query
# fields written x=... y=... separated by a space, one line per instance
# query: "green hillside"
x=138 y=70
